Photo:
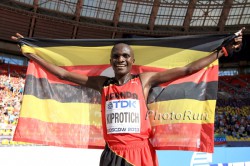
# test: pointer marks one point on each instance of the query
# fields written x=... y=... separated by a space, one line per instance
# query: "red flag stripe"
x=95 y=70
x=70 y=135
x=74 y=133
x=200 y=138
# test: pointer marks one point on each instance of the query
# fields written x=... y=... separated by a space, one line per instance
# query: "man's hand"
x=234 y=43
x=27 y=51
x=17 y=37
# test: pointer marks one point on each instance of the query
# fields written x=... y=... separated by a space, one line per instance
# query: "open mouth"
x=120 y=66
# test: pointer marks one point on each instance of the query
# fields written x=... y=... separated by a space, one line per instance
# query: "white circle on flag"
x=109 y=72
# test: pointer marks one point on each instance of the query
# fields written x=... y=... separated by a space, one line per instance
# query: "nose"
x=120 y=58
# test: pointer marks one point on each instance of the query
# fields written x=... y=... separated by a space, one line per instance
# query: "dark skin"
x=122 y=60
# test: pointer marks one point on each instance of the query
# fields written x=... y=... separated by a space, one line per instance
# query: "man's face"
x=122 y=59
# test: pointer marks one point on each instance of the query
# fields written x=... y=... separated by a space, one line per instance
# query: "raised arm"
x=154 y=78
x=84 y=80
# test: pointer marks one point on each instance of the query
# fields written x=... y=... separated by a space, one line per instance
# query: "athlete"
x=127 y=131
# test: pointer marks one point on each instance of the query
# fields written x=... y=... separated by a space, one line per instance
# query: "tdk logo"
x=110 y=105
x=121 y=104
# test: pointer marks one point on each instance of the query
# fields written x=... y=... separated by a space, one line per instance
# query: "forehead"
x=123 y=48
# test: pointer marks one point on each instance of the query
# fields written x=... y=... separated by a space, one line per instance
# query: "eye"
x=115 y=56
x=126 y=55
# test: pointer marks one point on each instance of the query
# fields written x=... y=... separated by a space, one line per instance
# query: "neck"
x=123 y=79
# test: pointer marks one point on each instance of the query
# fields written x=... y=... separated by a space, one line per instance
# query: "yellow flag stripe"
x=188 y=111
x=153 y=56
x=165 y=112
x=52 y=111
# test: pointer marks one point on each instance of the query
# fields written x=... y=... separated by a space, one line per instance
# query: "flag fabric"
x=60 y=113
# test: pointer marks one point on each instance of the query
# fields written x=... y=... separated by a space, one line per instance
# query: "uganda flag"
x=60 y=113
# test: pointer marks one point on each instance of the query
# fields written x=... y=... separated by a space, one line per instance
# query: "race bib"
x=123 y=116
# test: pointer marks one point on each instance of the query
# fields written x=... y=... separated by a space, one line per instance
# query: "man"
x=130 y=146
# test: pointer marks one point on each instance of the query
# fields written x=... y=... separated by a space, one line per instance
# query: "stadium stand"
x=233 y=108
x=12 y=79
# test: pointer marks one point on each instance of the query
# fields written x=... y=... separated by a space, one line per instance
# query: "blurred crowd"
x=233 y=121
x=11 y=91
x=232 y=115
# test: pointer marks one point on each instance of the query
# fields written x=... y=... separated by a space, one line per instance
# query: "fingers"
x=238 y=40
x=239 y=33
x=17 y=37
x=238 y=43
x=236 y=46
x=14 y=38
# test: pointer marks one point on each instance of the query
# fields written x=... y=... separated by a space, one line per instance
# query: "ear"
x=133 y=61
